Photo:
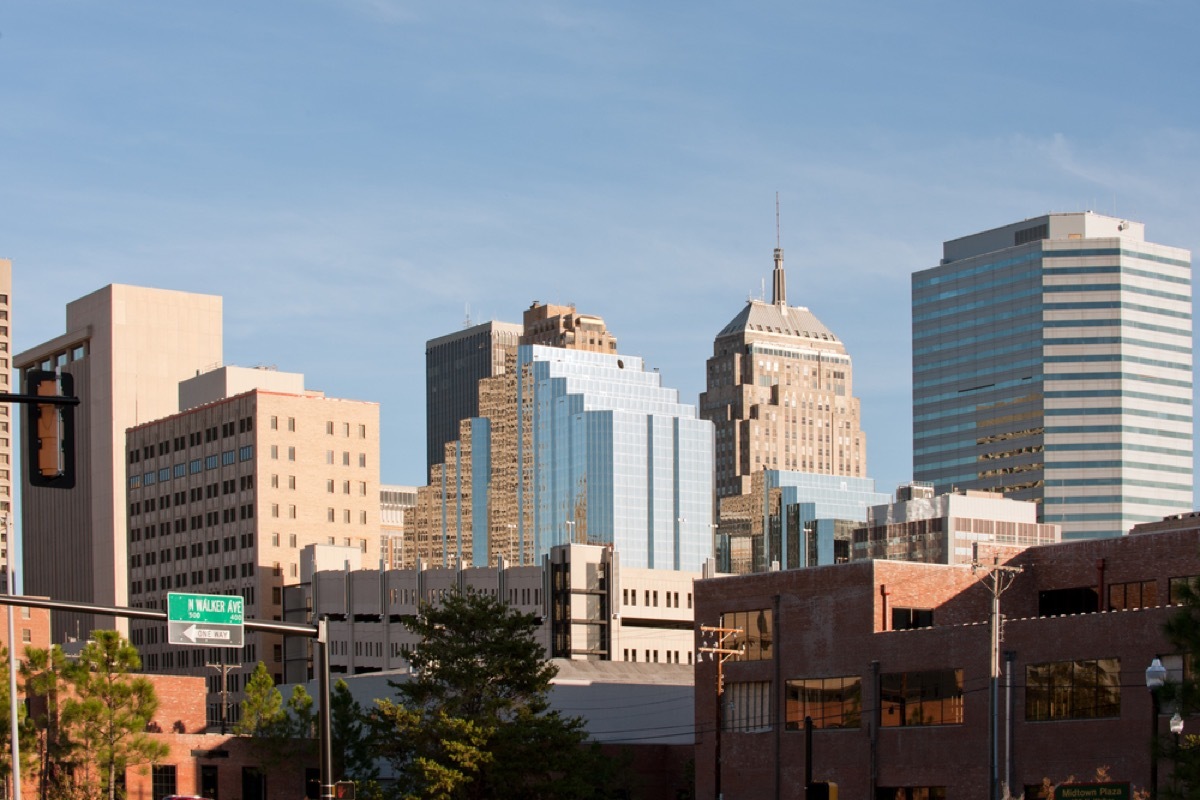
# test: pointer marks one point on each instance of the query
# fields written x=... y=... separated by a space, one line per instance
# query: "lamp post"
x=1176 y=727
x=1156 y=675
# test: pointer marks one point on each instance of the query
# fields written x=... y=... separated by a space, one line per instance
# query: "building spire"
x=778 y=281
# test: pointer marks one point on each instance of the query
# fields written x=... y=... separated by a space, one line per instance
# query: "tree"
x=109 y=709
x=1183 y=632
x=474 y=722
x=352 y=755
x=275 y=725
x=262 y=710
x=25 y=733
x=43 y=675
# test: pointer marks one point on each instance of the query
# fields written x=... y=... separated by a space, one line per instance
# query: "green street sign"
x=207 y=620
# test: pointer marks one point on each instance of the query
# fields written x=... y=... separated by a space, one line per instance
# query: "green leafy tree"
x=108 y=711
x=43 y=676
x=475 y=721
x=262 y=710
x=274 y=725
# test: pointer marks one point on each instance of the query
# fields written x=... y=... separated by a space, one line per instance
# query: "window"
x=755 y=636
x=907 y=619
x=162 y=780
x=747 y=705
x=1073 y=689
x=329 y=485
x=362 y=459
x=831 y=702
x=1137 y=594
x=292 y=424
x=924 y=792
x=1176 y=587
x=274 y=423
x=921 y=698
x=291 y=454
x=1077 y=600
x=329 y=428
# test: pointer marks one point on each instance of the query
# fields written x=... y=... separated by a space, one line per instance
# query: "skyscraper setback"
x=1052 y=361
x=780 y=394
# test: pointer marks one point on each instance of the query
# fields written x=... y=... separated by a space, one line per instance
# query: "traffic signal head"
x=51 y=431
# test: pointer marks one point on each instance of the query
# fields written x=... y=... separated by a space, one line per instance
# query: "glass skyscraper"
x=613 y=458
x=1052 y=361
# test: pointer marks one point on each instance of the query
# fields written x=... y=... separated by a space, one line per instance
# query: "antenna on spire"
x=778 y=283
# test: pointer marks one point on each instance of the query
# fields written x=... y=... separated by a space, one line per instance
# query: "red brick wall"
x=830 y=622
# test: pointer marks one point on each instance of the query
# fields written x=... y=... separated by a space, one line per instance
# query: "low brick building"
x=892 y=660
x=213 y=765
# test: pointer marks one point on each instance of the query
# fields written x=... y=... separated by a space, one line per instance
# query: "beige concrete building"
x=955 y=528
x=128 y=347
x=223 y=497
x=780 y=393
x=590 y=609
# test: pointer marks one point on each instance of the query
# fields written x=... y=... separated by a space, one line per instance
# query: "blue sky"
x=357 y=176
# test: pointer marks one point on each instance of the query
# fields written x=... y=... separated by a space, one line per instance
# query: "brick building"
x=211 y=765
x=892 y=662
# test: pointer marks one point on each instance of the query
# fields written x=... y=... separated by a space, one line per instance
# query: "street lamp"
x=1156 y=676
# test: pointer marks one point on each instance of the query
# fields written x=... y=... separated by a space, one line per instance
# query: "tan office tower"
x=128 y=347
x=7 y=523
x=224 y=495
x=780 y=395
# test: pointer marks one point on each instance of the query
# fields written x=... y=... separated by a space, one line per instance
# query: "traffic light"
x=822 y=790
x=51 y=431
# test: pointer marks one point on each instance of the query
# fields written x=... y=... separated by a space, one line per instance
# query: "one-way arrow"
x=194 y=633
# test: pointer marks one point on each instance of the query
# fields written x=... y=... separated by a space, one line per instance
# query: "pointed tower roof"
x=761 y=320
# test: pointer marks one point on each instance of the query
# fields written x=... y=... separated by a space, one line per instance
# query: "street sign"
x=1093 y=791
x=207 y=620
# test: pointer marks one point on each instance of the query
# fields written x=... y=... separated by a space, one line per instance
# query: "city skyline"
x=353 y=177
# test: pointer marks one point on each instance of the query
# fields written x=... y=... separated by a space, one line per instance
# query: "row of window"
x=329 y=428
x=193 y=439
x=651 y=656
x=195 y=522
x=227 y=572
x=1058 y=690
x=629 y=597
x=193 y=467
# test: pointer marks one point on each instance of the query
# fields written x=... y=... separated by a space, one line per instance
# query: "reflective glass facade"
x=614 y=458
x=1052 y=359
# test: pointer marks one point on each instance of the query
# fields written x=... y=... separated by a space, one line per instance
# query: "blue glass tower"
x=612 y=457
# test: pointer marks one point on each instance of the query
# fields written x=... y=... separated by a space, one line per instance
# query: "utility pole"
x=721 y=639
x=10 y=578
x=224 y=669
x=997 y=578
